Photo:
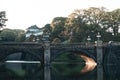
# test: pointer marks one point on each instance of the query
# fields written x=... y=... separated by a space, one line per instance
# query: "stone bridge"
x=47 y=53
x=37 y=50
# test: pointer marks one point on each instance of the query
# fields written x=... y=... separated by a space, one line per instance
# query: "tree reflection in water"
x=73 y=64
x=90 y=64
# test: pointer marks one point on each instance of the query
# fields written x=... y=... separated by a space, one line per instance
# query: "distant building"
x=34 y=30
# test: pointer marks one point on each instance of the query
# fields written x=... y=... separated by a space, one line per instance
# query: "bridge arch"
x=6 y=51
x=111 y=62
x=57 y=52
x=23 y=56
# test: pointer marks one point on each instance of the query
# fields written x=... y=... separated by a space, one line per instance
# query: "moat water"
x=31 y=69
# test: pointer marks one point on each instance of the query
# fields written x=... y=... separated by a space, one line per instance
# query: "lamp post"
x=88 y=39
x=99 y=57
x=47 y=73
x=98 y=42
x=98 y=36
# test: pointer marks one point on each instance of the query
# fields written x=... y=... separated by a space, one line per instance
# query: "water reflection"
x=31 y=68
x=20 y=66
x=74 y=69
x=110 y=70
x=90 y=64
x=16 y=61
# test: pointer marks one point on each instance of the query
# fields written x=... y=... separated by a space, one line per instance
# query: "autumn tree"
x=86 y=22
x=57 y=25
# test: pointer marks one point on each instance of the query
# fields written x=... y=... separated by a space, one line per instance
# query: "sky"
x=22 y=14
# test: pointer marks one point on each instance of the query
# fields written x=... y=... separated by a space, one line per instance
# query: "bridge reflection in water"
x=18 y=70
x=84 y=65
x=78 y=70
x=18 y=65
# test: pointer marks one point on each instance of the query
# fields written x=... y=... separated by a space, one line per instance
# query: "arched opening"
x=21 y=65
x=73 y=63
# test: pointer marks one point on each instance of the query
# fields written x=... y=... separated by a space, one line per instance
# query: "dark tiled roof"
x=33 y=27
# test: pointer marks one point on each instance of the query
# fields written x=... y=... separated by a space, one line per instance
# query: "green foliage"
x=84 y=22
x=114 y=21
x=81 y=22
x=56 y=40
x=7 y=35
x=48 y=28
x=87 y=22
x=20 y=38
x=57 y=27
x=12 y=35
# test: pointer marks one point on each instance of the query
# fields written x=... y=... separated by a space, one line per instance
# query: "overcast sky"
x=21 y=14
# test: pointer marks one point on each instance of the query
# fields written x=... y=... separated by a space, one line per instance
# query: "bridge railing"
x=59 y=45
x=72 y=45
